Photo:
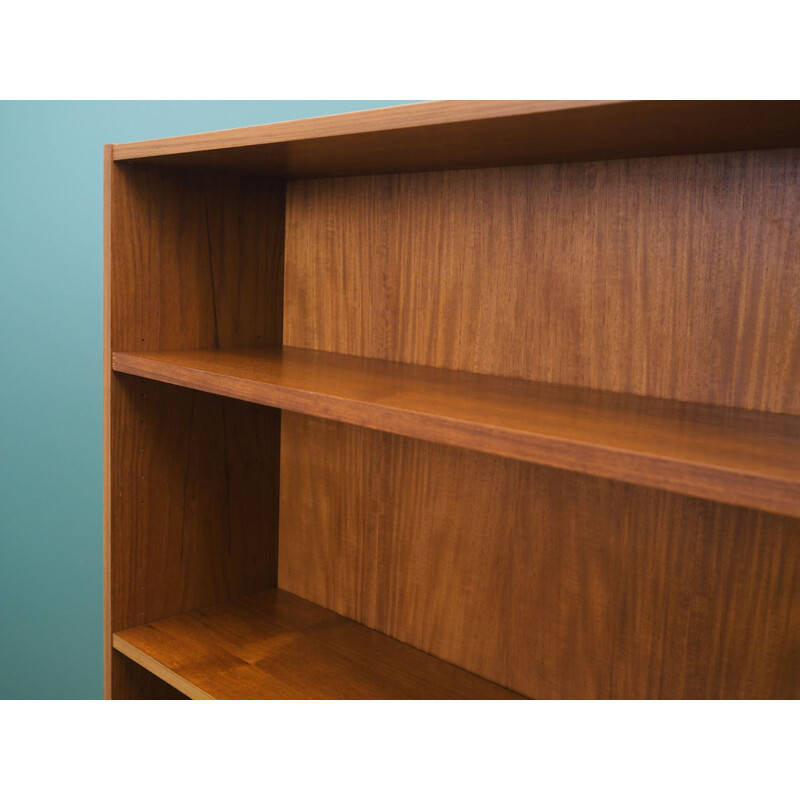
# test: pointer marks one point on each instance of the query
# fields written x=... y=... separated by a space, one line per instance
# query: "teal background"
x=51 y=285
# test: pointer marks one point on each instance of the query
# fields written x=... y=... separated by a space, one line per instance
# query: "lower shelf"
x=276 y=646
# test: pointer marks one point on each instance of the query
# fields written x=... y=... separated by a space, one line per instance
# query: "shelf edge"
x=750 y=490
x=158 y=669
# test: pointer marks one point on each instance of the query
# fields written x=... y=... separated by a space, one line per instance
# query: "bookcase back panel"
x=552 y=583
x=674 y=277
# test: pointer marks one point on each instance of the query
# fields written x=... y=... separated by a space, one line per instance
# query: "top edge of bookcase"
x=468 y=134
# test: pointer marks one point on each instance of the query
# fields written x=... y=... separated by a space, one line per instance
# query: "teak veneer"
x=276 y=646
x=744 y=457
x=455 y=135
x=459 y=399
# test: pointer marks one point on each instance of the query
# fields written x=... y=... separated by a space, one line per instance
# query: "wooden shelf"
x=465 y=134
x=729 y=455
x=655 y=552
x=275 y=645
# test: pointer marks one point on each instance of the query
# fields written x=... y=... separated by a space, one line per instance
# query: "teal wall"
x=51 y=267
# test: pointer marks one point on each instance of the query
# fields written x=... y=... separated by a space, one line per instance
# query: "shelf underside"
x=465 y=134
x=276 y=646
x=729 y=455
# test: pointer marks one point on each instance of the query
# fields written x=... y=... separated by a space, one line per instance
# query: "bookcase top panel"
x=479 y=133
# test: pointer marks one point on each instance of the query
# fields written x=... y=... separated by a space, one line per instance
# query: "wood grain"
x=454 y=135
x=199 y=510
x=742 y=457
x=191 y=481
x=555 y=584
x=196 y=259
x=133 y=682
x=674 y=277
x=274 y=645
x=664 y=266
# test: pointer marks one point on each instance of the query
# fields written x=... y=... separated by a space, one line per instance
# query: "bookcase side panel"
x=191 y=481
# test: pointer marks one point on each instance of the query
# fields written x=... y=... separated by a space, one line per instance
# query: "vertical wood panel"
x=199 y=507
x=552 y=583
x=191 y=480
x=196 y=259
x=673 y=277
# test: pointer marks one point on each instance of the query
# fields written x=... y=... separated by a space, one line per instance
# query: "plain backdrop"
x=51 y=282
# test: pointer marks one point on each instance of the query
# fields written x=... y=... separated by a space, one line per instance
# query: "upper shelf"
x=465 y=134
x=734 y=456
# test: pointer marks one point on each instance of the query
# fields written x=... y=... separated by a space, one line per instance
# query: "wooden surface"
x=109 y=189
x=196 y=259
x=274 y=645
x=136 y=683
x=451 y=135
x=672 y=277
x=200 y=510
x=742 y=457
x=555 y=584
x=190 y=480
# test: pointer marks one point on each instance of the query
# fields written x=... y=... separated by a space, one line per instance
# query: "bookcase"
x=456 y=400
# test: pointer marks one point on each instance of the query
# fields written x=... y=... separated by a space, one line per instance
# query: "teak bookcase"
x=457 y=400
